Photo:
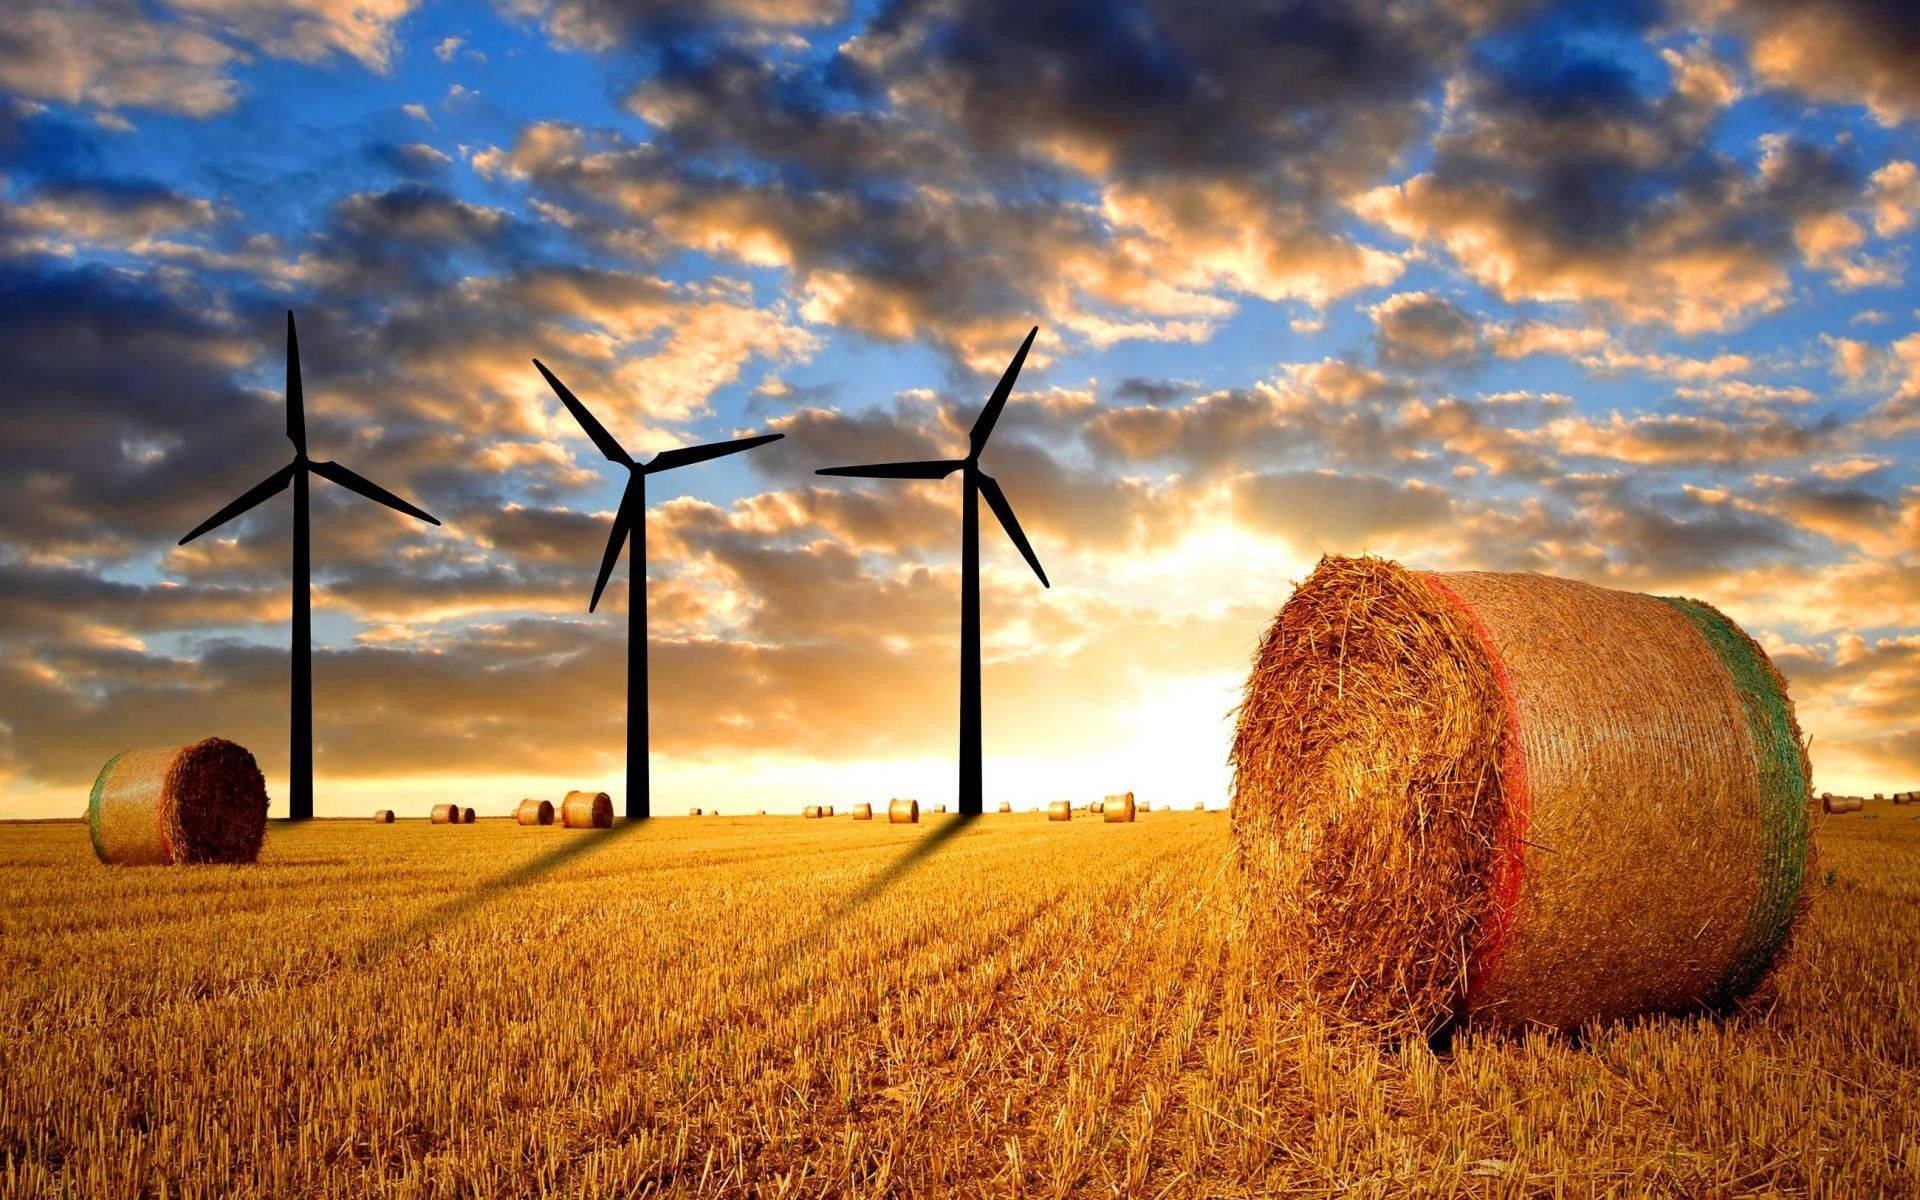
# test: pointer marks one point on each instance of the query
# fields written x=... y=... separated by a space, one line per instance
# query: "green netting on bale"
x=1785 y=828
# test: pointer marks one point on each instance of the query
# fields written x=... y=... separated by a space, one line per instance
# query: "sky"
x=1615 y=291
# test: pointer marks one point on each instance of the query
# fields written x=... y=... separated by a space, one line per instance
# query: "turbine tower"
x=300 y=734
x=975 y=483
x=631 y=516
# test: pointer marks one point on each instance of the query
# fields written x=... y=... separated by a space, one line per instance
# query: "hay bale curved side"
x=203 y=803
x=863 y=811
x=1060 y=810
x=534 y=812
x=903 y=811
x=1117 y=810
x=587 y=810
x=383 y=816
x=445 y=814
x=1582 y=803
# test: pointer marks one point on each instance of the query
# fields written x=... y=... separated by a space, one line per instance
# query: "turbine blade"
x=667 y=460
x=368 y=488
x=622 y=523
x=593 y=428
x=296 y=397
x=983 y=426
x=935 y=469
x=997 y=501
x=271 y=485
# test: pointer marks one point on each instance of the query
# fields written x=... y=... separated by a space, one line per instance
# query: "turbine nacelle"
x=277 y=482
x=634 y=497
x=940 y=468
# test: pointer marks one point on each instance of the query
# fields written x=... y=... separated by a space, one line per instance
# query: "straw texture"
x=1117 y=810
x=203 y=803
x=1060 y=810
x=903 y=812
x=445 y=814
x=587 y=810
x=1516 y=798
x=534 y=812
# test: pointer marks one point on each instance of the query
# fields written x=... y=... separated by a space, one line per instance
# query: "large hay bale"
x=468 y=816
x=203 y=803
x=1830 y=803
x=1117 y=810
x=811 y=812
x=445 y=814
x=383 y=816
x=587 y=810
x=1060 y=810
x=826 y=810
x=863 y=811
x=1516 y=798
x=1005 y=806
x=903 y=812
x=534 y=812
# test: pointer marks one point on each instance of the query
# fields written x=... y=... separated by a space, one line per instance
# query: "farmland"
x=777 y=1007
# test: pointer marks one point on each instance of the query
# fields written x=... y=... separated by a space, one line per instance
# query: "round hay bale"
x=1855 y=804
x=383 y=816
x=939 y=808
x=811 y=812
x=534 y=812
x=1004 y=806
x=1830 y=803
x=587 y=810
x=1200 y=806
x=445 y=814
x=1117 y=810
x=903 y=812
x=826 y=810
x=1060 y=810
x=1145 y=806
x=863 y=811
x=760 y=812
x=468 y=816
x=1097 y=806
x=1517 y=799
x=203 y=803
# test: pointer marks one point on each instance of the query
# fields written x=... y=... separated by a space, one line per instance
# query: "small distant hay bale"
x=760 y=812
x=468 y=816
x=1441 y=812
x=1004 y=806
x=939 y=808
x=1200 y=806
x=203 y=803
x=445 y=814
x=587 y=810
x=693 y=812
x=1117 y=810
x=534 y=812
x=811 y=812
x=826 y=810
x=863 y=811
x=1096 y=807
x=1145 y=806
x=1060 y=810
x=1878 y=796
x=383 y=816
x=1830 y=803
x=903 y=812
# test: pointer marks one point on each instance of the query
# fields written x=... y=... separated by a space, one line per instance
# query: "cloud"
x=112 y=54
x=1840 y=51
x=1422 y=330
x=1569 y=182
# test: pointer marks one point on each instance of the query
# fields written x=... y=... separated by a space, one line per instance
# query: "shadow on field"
x=506 y=881
x=581 y=847
x=894 y=872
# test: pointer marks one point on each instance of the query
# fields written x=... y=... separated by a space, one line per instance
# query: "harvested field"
x=984 y=1009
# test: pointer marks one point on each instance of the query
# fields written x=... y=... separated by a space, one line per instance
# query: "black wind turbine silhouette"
x=977 y=483
x=300 y=734
x=631 y=517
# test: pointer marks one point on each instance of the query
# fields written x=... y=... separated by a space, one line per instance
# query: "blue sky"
x=1608 y=291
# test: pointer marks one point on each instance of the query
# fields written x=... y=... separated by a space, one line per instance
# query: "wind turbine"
x=631 y=517
x=977 y=483
x=300 y=734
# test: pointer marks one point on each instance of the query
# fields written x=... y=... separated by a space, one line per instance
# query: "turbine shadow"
x=515 y=877
x=892 y=874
